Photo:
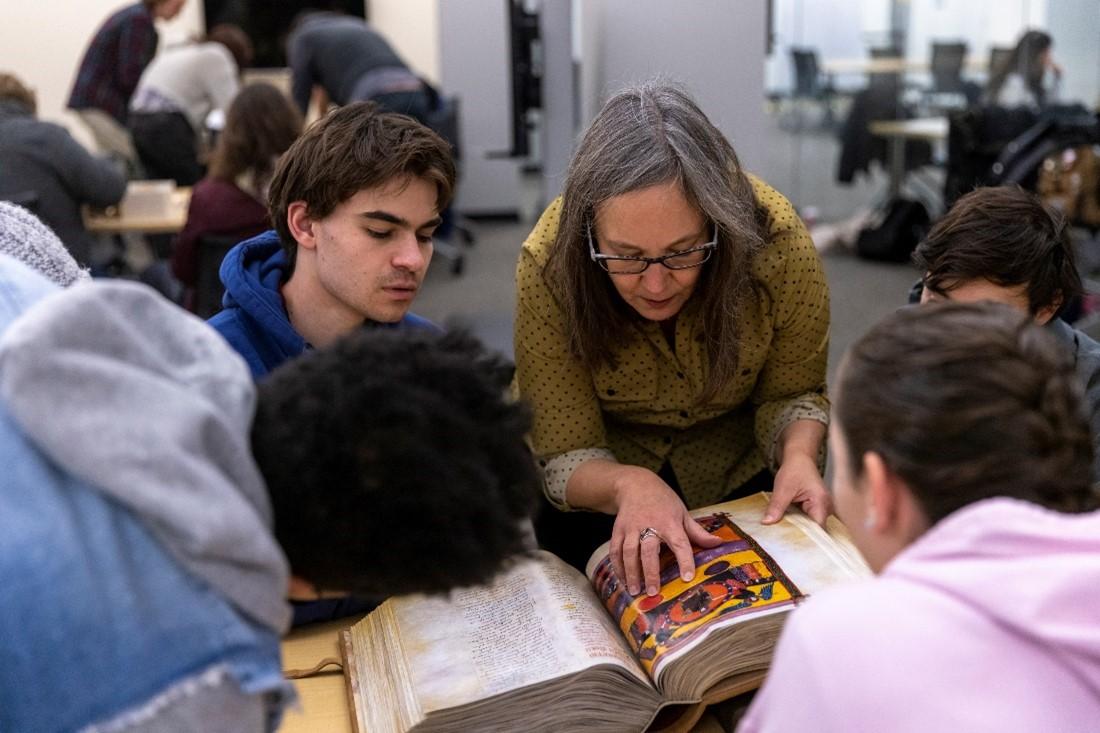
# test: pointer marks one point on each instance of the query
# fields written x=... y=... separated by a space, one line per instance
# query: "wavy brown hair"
x=644 y=136
x=259 y=127
x=1005 y=235
x=964 y=402
x=351 y=149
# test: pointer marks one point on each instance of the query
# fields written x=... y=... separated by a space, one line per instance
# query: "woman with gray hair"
x=671 y=335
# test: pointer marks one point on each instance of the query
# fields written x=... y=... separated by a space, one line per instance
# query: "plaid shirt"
x=113 y=63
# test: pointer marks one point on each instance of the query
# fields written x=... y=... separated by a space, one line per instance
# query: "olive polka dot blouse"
x=645 y=411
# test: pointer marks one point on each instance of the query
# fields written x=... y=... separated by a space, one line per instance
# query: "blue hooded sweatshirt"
x=254 y=320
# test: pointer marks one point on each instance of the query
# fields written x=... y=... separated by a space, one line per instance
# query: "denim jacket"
x=104 y=625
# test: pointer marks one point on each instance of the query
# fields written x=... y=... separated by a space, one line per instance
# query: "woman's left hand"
x=799 y=482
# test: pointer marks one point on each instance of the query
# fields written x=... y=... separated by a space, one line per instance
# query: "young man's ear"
x=301 y=225
x=1043 y=315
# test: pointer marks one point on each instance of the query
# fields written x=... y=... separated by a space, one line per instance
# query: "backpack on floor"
x=895 y=232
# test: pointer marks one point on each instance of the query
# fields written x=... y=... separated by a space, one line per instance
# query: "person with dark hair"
x=177 y=92
x=109 y=72
x=1029 y=77
x=354 y=202
x=1003 y=244
x=143 y=580
x=671 y=332
x=44 y=167
x=348 y=61
x=961 y=462
x=396 y=478
x=231 y=201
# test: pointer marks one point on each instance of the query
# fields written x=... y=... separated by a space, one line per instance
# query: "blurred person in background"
x=231 y=201
x=1030 y=77
x=177 y=92
x=45 y=169
x=109 y=72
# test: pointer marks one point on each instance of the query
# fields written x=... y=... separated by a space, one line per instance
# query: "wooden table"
x=897 y=132
x=114 y=221
x=888 y=65
x=324 y=698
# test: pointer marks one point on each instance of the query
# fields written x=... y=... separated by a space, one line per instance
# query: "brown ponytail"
x=967 y=401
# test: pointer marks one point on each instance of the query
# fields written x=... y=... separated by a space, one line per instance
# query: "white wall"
x=715 y=48
x=412 y=27
x=558 y=121
x=982 y=24
x=836 y=30
x=44 y=41
x=1075 y=27
x=475 y=66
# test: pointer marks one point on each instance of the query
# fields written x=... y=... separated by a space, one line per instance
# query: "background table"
x=113 y=221
x=897 y=132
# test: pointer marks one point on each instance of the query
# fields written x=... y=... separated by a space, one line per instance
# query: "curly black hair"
x=396 y=463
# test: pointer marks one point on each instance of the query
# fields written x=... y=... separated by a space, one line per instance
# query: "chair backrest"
x=443 y=118
x=885 y=83
x=208 y=286
x=27 y=199
x=947 y=65
x=806 y=78
x=999 y=57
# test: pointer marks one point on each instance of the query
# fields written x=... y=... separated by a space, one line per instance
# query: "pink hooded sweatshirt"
x=990 y=621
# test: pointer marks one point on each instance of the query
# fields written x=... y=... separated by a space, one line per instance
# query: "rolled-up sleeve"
x=560 y=391
x=791 y=386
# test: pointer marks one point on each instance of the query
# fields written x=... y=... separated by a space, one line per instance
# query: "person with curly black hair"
x=395 y=464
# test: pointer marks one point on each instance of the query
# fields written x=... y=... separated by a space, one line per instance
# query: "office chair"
x=946 y=67
x=949 y=89
x=443 y=118
x=27 y=199
x=999 y=57
x=811 y=84
x=208 y=284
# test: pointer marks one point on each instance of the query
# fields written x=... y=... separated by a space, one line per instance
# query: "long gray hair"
x=648 y=135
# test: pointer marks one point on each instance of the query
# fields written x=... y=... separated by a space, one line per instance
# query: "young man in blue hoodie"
x=157 y=505
x=354 y=203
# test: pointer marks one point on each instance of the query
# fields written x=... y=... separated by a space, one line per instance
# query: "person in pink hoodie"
x=962 y=456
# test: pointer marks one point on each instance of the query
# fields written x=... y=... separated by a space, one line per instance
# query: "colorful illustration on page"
x=734 y=579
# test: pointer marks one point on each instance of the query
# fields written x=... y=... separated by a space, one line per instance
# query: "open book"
x=545 y=648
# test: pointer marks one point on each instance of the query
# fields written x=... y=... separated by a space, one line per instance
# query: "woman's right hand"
x=646 y=501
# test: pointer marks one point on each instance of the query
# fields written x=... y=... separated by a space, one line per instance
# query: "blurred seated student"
x=961 y=457
x=231 y=201
x=145 y=564
x=1030 y=77
x=24 y=237
x=1003 y=244
x=43 y=161
x=177 y=92
x=109 y=72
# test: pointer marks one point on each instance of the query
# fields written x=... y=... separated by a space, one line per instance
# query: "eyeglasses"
x=621 y=265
